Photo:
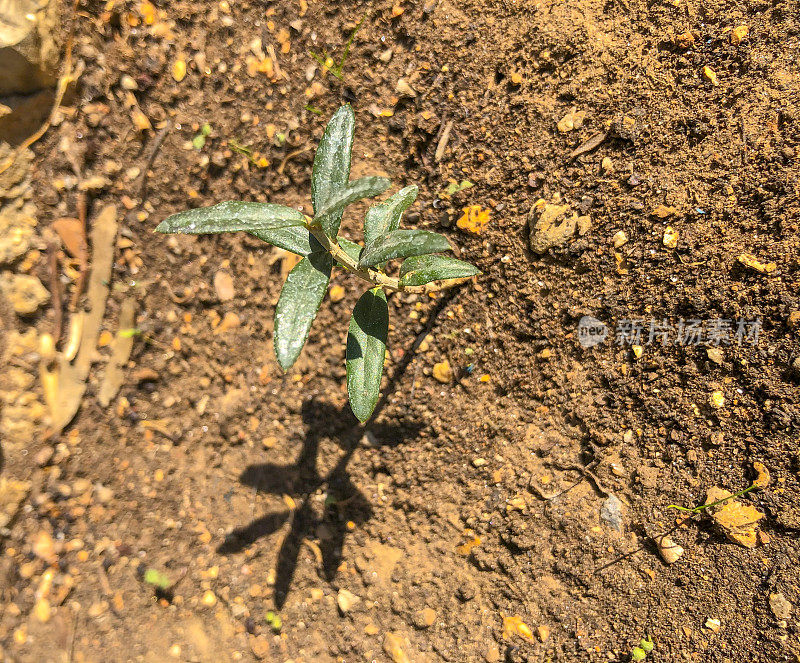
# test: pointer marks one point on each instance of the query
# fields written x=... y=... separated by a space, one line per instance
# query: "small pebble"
x=780 y=606
x=611 y=512
x=223 y=285
x=425 y=618
x=669 y=550
x=346 y=600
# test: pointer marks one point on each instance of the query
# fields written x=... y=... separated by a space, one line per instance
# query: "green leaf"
x=331 y=170
x=232 y=216
x=366 y=350
x=296 y=240
x=403 y=244
x=297 y=306
x=454 y=187
x=352 y=249
x=424 y=269
x=157 y=579
x=384 y=217
x=330 y=217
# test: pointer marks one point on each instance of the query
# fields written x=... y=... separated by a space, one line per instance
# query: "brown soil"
x=262 y=489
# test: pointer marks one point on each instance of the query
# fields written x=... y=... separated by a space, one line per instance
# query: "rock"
x=620 y=239
x=611 y=512
x=794 y=320
x=465 y=592
x=28 y=51
x=97 y=609
x=44 y=456
x=780 y=606
x=442 y=372
x=739 y=34
x=146 y=374
x=393 y=646
x=42 y=610
x=103 y=494
x=404 y=89
x=713 y=624
x=128 y=83
x=717 y=399
x=209 y=599
x=716 y=355
x=12 y=494
x=346 y=600
x=685 y=40
x=259 y=645
x=751 y=262
x=763 y=478
x=492 y=654
x=552 y=226
x=663 y=212
x=572 y=120
x=16 y=233
x=670 y=239
x=44 y=547
x=710 y=75
x=336 y=294
x=81 y=486
x=543 y=632
x=223 y=285
x=669 y=550
x=737 y=520
x=24 y=291
x=15 y=179
x=424 y=618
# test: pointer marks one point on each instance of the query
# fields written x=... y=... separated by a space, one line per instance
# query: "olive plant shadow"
x=301 y=480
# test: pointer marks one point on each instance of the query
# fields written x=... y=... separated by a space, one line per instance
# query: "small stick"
x=84 y=257
x=55 y=290
x=151 y=157
x=291 y=155
x=587 y=146
x=443 y=141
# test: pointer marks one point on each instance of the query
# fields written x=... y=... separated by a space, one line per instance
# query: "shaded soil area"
x=533 y=484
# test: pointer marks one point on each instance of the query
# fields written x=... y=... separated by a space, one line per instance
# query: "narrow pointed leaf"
x=424 y=269
x=383 y=218
x=295 y=240
x=330 y=217
x=297 y=307
x=331 y=170
x=366 y=350
x=232 y=216
x=352 y=249
x=403 y=244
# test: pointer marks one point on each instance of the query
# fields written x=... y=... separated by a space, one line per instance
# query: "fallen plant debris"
x=64 y=376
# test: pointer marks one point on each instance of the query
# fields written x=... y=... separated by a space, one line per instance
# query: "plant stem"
x=702 y=507
x=371 y=275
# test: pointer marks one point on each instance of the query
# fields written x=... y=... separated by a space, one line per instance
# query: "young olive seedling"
x=321 y=246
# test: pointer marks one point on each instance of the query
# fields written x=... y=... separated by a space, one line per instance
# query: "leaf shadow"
x=345 y=503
